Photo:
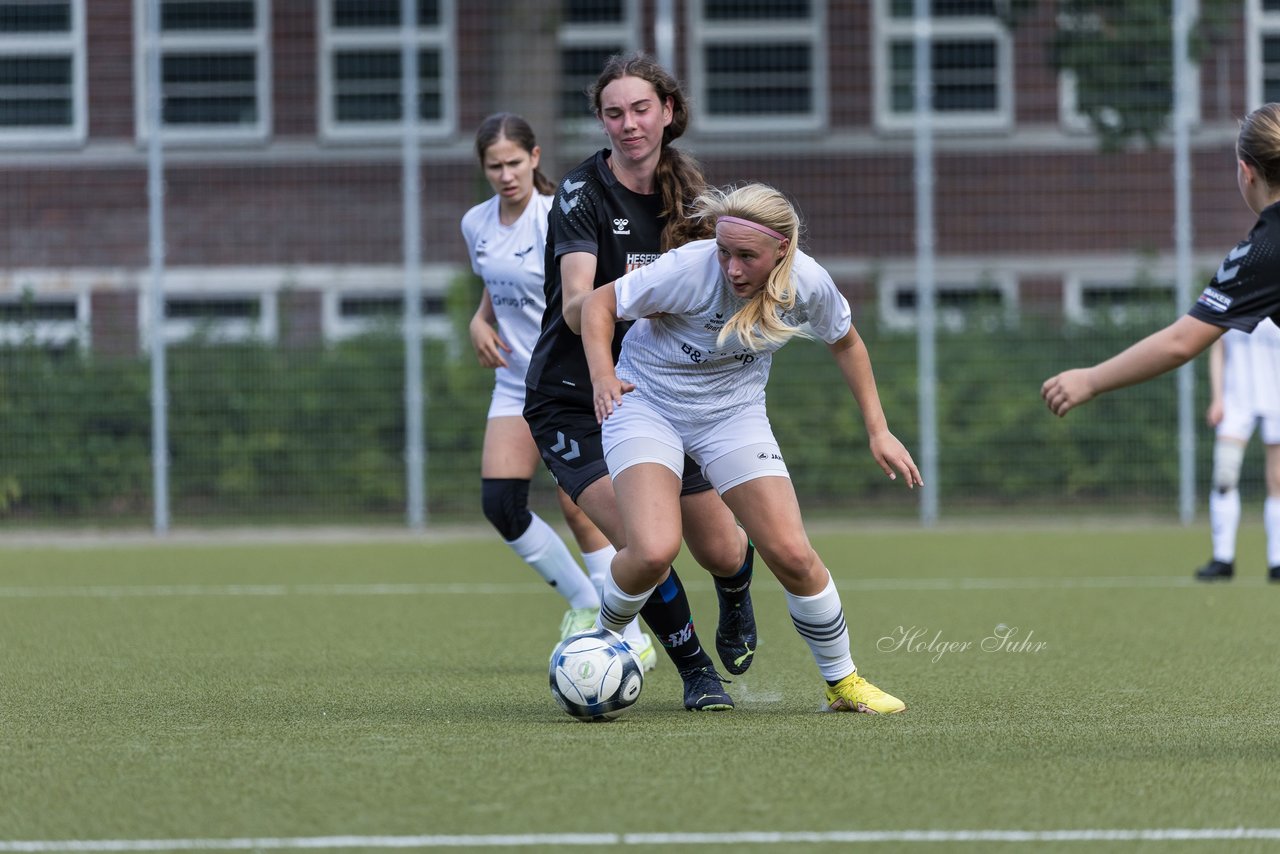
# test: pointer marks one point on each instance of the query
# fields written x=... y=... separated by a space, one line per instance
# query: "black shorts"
x=568 y=439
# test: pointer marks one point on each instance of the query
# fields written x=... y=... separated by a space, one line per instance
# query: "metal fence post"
x=415 y=450
x=156 y=252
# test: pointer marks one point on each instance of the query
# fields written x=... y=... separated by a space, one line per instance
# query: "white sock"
x=598 y=563
x=820 y=621
x=541 y=547
x=617 y=609
x=1271 y=520
x=1224 y=520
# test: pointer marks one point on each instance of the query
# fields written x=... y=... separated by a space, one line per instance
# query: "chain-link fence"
x=269 y=273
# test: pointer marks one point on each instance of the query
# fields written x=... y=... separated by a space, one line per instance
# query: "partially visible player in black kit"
x=1244 y=291
x=614 y=212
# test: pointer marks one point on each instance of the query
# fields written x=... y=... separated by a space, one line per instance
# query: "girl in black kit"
x=1245 y=289
x=616 y=211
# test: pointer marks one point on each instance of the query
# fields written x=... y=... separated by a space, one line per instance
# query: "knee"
x=651 y=556
x=723 y=555
x=1227 y=460
x=792 y=561
x=505 y=502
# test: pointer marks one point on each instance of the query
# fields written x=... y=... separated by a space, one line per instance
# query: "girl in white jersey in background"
x=708 y=317
x=506 y=237
x=1244 y=382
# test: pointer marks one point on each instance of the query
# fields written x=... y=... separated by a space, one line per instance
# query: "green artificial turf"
x=382 y=689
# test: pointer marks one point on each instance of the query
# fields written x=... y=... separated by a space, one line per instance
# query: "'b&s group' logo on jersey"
x=620 y=226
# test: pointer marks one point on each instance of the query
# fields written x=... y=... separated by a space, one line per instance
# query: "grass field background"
x=284 y=690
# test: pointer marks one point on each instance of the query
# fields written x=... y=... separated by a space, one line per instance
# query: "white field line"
x=106 y=591
x=652 y=839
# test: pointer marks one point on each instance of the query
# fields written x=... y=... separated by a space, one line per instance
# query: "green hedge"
x=260 y=432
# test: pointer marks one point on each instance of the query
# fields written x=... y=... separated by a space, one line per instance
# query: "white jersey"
x=673 y=358
x=509 y=258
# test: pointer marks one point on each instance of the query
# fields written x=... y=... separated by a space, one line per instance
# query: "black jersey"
x=1246 y=288
x=594 y=213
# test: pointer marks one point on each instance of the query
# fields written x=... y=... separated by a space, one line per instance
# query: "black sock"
x=669 y=618
x=736 y=588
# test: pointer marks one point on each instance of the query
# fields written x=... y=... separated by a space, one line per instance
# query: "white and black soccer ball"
x=595 y=676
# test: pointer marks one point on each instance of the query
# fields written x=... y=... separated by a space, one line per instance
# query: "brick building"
x=282 y=152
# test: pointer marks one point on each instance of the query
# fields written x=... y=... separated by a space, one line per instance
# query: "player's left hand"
x=891 y=454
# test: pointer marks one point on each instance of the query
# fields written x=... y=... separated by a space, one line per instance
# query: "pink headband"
x=764 y=229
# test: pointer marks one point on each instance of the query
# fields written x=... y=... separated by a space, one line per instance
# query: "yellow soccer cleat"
x=855 y=694
x=578 y=620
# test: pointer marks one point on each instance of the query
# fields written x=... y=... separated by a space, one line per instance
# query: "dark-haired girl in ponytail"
x=617 y=211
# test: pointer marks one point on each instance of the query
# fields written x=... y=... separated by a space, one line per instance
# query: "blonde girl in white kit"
x=506 y=237
x=691 y=379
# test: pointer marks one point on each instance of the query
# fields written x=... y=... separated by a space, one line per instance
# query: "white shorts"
x=731 y=452
x=508 y=396
x=1237 y=424
x=1250 y=377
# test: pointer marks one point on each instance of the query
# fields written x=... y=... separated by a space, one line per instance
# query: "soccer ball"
x=595 y=676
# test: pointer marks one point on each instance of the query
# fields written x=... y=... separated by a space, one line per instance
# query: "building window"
x=591 y=31
x=360 y=75
x=1129 y=84
x=42 y=73
x=987 y=303
x=219 y=318
x=352 y=313
x=971 y=62
x=48 y=321
x=759 y=59
x=1140 y=300
x=215 y=69
x=1263 y=52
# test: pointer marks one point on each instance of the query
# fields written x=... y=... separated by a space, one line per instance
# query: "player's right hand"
x=488 y=345
x=607 y=395
x=1067 y=390
x=1213 y=415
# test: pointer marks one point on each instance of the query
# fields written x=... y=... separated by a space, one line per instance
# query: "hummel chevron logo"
x=568 y=188
x=560 y=445
x=1226 y=274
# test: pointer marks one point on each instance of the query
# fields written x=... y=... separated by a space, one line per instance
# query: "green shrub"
x=259 y=432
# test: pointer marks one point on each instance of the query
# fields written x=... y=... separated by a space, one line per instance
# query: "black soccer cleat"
x=704 y=690
x=1274 y=573
x=1217 y=570
x=736 y=635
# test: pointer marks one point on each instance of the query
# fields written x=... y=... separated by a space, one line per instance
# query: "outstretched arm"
x=599 y=314
x=1171 y=347
x=855 y=363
